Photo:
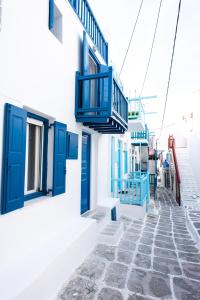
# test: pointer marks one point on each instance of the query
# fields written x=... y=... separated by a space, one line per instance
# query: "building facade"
x=55 y=157
x=64 y=148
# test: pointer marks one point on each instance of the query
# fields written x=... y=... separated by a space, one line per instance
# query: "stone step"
x=102 y=217
x=112 y=233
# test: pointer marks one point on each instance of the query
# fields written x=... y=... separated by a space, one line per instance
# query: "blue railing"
x=86 y=16
x=98 y=96
x=133 y=191
x=137 y=174
x=140 y=134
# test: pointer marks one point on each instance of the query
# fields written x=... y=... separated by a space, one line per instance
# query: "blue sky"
x=116 y=19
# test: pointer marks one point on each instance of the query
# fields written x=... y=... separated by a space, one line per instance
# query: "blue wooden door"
x=85 y=173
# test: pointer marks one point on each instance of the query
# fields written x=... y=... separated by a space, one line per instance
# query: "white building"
x=48 y=113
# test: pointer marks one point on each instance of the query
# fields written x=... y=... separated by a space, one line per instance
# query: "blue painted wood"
x=85 y=173
x=112 y=103
x=112 y=162
x=85 y=55
x=119 y=162
x=125 y=159
x=133 y=191
x=85 y=71
x=51 y=14
x=59 y=163
x=33 y=196
x=13 y=158
x=104 y=88
x=114 y=214
x=86 y=16
x=72 y=145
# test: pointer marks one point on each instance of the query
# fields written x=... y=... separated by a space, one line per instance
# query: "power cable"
x=151 y=50
x=170 y=70
x=129 y=44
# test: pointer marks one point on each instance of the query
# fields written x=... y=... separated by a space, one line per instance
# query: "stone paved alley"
x=156 y=258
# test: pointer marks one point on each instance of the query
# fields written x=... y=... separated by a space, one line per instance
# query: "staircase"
x=190 y=191
x=108 y=231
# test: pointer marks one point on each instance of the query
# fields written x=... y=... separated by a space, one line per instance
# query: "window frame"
x=94 y=58
x=43 y=192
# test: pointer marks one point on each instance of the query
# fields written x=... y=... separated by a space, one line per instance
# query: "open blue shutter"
x=59 y=166
x=51 y=14
x=85 y=71
x=13 y=158
x=104 y=88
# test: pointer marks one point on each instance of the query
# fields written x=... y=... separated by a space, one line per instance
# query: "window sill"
x=33 y=196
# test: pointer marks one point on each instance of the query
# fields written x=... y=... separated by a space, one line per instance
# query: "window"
x=55 y=20
x=25 y=146
x=34 y=156
x=93 y=69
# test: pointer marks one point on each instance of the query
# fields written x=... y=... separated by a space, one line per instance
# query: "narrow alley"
x=99 y=150
x=156 y=258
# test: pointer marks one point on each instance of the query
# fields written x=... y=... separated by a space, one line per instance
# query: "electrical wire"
x=130 y=41
x=170 y=70
x=151 y=50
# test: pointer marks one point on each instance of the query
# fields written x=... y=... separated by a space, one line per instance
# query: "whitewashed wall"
x=37 y=72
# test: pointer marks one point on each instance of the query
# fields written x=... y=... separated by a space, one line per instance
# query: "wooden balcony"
x=100 y=103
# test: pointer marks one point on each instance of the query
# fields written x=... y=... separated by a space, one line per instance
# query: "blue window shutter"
x=51 y=14
x=13 y=158
x=85 y=71
x=59 y=165
x=72 y=145
x=103 y=87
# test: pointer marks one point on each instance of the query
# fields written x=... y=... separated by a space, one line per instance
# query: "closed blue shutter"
x=72 y=145
x=104 y=88
x=13 y=158
x=59 y=166
x=51 y=14
x=85 y=71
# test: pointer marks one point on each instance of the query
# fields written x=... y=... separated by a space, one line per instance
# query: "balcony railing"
x=136 y=110
x=86 y=16
x=100 y=103
x=139 y=135
x=134 y=191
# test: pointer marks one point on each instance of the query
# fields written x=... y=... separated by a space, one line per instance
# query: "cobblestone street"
x=156 y=258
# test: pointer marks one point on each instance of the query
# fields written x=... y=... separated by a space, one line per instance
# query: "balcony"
x=100 y=103
x=133 y=191
x=136 y=115
x=140 y=137
x=86 y=16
